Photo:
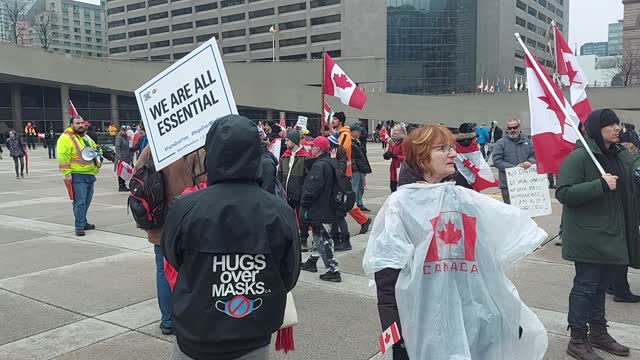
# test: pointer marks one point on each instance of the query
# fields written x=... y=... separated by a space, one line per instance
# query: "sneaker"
x=88 y=226
x=18 y=177
x=79 y=232
x=333 y=276
x=365 y=227
x=22 y=176
x=166 y=330
x=364 y=208
x=343 y=246
x=309 y=266
x=123 y=189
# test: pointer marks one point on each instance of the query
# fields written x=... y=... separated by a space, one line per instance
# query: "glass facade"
x=431 y=46
x=41 y=106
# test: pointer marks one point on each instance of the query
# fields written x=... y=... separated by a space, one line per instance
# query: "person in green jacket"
x=599 y=229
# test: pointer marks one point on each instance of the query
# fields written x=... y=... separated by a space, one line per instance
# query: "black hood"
x=596 y=121
x=233 y=150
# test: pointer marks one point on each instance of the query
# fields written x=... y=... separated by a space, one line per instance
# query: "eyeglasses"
x=513 y=127
x=446 y=148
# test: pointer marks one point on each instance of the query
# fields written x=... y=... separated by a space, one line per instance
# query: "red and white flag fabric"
x=552 y=135
x=125 y=171
x=389 y=337
x=328 y=115
x=72 y=110
x=274 y=147
x=338 y=84
x=283 y=124
x=571 y=74
x=472 y=165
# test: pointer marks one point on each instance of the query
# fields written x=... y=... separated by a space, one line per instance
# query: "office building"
x=631 y=30
x=595 y=48
x=5 y=33
x=159 y=30
x=615 y=37
x=78 y=27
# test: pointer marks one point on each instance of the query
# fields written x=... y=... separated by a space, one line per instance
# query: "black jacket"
x=236 y=250
x=50 y=139
x=267 y=171
x=317 y=199
x=359 y=160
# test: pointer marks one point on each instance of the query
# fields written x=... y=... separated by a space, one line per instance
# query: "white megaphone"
x=89 y=154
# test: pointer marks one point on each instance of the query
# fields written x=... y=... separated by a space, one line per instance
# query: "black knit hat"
x=294 y=136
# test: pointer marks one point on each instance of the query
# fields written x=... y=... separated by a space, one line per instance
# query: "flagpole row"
x=321 y=127
x=537 y=69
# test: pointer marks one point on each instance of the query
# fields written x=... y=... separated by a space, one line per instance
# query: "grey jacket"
x=122 y=150
x=509 y=153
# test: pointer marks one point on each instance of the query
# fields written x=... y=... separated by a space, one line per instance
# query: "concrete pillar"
x=115 y=114
x=64 y=103
x=16 y=104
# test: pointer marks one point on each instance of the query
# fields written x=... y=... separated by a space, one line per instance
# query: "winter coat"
x=364 y=136
x=594 y=226
x=483 y=135
x=178 y=176
x=344 y=140
x=123 y=152
x=317 y=195
x=630 y=136
x=508 y=153
x=267 y=171
x=15 y=146
x=395 y=149
x=293 y=179
x=236 y=250
x=495 y=134
x=359 y=160
x=50 y=139
x=140 y=144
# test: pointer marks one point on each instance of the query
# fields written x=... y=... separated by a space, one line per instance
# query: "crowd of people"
x=252 y=214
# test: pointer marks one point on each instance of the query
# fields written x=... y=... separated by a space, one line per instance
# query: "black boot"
x=365 y=227
x=580 y=348
x=310 y=265
x=345 y=243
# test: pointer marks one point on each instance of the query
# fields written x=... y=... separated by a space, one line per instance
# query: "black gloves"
x=389 y=155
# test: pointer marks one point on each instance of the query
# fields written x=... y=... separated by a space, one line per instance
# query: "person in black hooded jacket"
x=267 y=170
x=236 y=250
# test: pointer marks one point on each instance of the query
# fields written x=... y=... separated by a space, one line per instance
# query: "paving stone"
x=130 y=345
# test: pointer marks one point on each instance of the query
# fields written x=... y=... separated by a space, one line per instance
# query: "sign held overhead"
x=179 y=105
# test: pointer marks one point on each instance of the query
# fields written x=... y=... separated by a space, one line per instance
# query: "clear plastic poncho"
x=453 y=247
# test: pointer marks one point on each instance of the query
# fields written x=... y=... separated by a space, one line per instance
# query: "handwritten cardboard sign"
x=529 y=191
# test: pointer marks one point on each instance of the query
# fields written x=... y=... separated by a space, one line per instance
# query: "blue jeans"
x=587 y=298
x=164 y=291
x=82 y=195
x=357 y=184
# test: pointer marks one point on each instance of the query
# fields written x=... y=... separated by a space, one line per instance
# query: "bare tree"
x=15 y=13
x=44 y=24
x=626 y=71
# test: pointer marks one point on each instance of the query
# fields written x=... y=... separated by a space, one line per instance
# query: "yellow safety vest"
x=69 y=148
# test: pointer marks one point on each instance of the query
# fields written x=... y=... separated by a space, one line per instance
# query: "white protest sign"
x=179 y=105
x=302 y=122
x=529 y=191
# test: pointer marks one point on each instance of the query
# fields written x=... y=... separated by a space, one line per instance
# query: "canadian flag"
x=283 y=124
x=472 y=165
x=72 y=110
x=573 y=76
x=389 y=337
x=125 y=171
x=553 y=136
x=480 y=86
x=328 y=114
x=338 y=84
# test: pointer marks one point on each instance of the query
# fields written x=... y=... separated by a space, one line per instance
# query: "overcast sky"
x=589 y=20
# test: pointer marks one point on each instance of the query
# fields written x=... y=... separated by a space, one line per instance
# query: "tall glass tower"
x=431 y=46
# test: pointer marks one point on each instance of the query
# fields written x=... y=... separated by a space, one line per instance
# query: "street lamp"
x=273 y=32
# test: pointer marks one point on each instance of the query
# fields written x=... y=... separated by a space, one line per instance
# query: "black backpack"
x=146 y=201
x=344 y=198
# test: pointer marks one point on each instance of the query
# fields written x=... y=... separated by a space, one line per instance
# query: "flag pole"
x=321 y=122
x=537 y=69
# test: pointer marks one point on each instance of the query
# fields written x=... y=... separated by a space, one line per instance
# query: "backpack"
x=344 y=198
x=146 y=201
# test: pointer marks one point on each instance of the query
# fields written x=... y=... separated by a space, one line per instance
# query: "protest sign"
x=302 y=122
x=179 y=105
x=529 y=191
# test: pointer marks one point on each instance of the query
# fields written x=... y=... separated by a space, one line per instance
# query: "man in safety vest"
x=30 y=135
x=80 y=173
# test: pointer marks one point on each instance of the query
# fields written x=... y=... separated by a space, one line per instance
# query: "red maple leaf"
x=553 y=106
x=572 y=74
x=469 y=165
x=450 y=235
x=342 y=81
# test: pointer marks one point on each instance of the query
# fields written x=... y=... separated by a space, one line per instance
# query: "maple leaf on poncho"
x=450 y=235
x=342 y=81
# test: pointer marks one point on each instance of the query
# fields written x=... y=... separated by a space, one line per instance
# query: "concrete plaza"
x=65 y=297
